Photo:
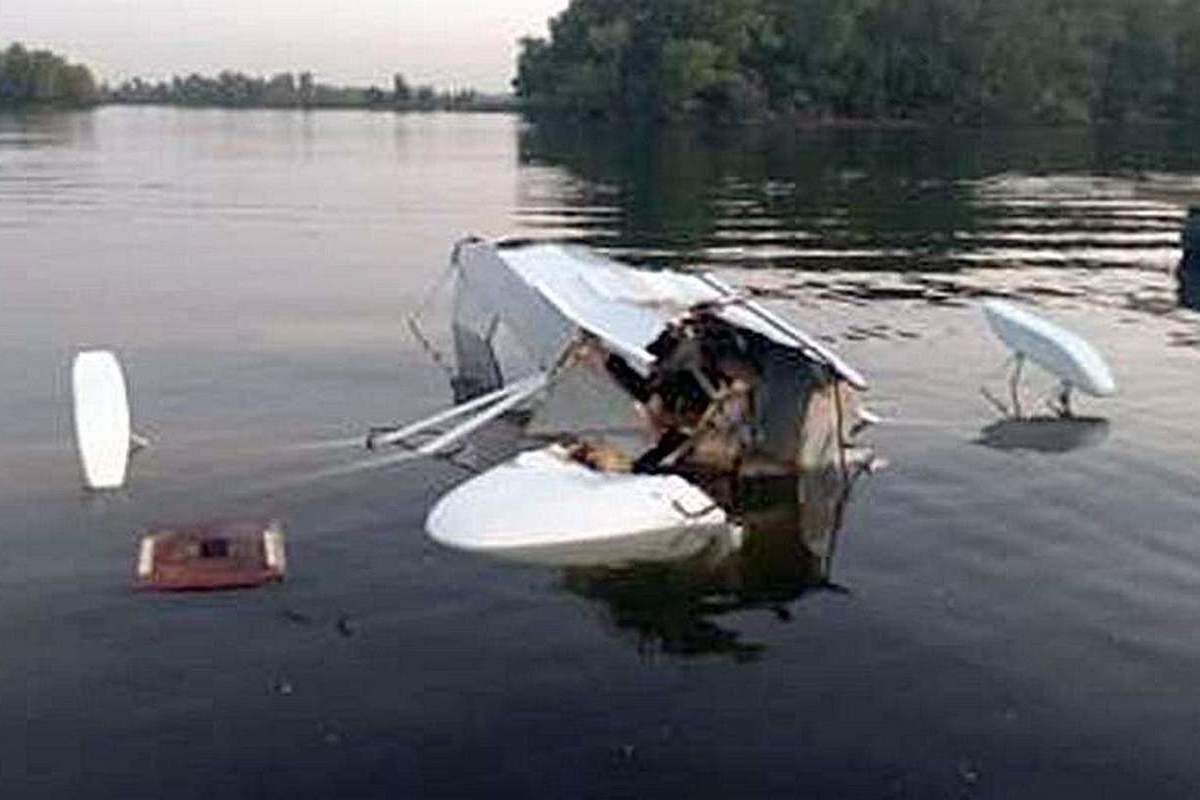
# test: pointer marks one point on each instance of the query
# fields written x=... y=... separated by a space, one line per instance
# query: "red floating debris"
x=211 y=556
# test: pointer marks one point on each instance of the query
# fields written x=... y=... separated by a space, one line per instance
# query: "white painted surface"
x=541 y=499
x=559 y=288
x=145 y=568
x=1055 y=349
x=276 y=555
x=101 y=418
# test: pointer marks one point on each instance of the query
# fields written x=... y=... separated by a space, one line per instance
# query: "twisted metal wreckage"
x=641 y=386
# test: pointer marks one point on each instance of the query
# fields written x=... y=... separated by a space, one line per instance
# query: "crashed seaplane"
x=639 y=386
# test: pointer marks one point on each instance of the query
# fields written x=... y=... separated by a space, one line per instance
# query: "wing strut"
x=533 y=385
x=388 y=436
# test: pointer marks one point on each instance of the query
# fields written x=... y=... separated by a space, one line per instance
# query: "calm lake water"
x=254 y=270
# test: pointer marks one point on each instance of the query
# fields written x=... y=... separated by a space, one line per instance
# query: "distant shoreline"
x=40 y=79
x=485 y=106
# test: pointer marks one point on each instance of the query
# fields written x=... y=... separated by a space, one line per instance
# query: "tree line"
x=968 y=62
x=40 y=77
x=230 y=89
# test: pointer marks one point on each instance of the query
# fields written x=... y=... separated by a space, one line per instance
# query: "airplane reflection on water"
x=670 y=595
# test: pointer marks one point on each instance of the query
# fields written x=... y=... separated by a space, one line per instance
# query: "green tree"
x=401 y=93
x=963 y=61
x=40 y=77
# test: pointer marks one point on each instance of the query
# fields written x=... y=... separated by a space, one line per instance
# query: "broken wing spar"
x=644 y=370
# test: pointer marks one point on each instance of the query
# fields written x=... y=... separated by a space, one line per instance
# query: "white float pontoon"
x=1060 y=352
x=560 y=498
x=639 y=378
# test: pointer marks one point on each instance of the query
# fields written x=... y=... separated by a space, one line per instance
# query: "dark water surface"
x=1008 y=626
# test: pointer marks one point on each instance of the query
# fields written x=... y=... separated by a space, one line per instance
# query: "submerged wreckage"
x=653 y=400
x=641 y=385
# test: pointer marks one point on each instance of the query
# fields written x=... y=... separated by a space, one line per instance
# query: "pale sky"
x=447 y=42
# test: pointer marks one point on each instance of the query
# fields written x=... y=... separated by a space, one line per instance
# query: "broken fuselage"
x=650 y=371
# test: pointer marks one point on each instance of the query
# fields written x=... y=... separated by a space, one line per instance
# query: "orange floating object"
x=212 y=556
